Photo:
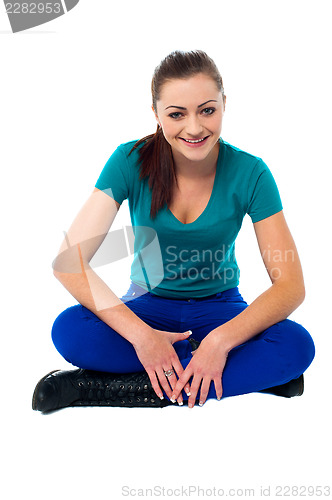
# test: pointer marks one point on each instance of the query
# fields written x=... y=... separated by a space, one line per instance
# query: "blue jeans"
x=275 y=356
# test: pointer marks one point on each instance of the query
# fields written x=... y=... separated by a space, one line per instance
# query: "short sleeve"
x=113 y=179
x=263 y=194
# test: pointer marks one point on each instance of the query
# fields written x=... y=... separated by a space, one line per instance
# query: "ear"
x=224 y=99
x=155 y=114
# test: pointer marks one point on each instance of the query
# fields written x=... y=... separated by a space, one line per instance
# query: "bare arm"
x=72 y=268
x=287 y=292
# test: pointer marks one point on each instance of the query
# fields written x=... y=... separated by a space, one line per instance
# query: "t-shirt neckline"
x=214 y=188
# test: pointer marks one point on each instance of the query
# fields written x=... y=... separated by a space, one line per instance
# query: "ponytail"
x=157 y=164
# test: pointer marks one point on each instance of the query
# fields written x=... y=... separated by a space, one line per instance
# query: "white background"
x=71 y=91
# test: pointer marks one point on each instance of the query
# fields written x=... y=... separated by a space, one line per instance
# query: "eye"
x=175 y=115
x=208 y=111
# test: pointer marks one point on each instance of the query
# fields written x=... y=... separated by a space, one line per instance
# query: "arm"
x=71 y=267
x=286 y=293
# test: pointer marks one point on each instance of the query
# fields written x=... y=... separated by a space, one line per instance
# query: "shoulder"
x=124 y=156
x=242 y=165
x=127 y=154
x=239 y=156
x=121 y=172
x=127 y=148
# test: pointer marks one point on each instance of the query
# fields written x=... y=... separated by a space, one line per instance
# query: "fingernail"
x=161 y=396
x=180 y=403
x=188 y=393
x=200 y=403
x=188 y=332
x=173 y=399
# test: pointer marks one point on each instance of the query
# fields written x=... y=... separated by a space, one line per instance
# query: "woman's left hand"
x=206 y=366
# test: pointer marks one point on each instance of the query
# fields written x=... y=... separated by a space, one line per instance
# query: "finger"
x=163 y=380
x=194 y=390
x=205 y=386
x=182 y=381
x=218 y=387
x=155 y=384
x=180 y=336
x=179 y=371
x=172 y=380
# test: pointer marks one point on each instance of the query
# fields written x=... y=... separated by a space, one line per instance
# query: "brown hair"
x=156 y=158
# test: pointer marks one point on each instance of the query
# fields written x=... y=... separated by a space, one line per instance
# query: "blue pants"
x=275 y=356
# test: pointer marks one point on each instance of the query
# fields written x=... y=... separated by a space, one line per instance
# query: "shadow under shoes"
x=63 y=388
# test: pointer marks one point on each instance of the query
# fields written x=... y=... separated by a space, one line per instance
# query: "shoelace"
x=107 y=391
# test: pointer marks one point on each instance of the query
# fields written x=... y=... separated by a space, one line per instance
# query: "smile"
x=194 y=142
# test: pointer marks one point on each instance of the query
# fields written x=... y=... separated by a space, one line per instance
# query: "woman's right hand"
x=156 y=353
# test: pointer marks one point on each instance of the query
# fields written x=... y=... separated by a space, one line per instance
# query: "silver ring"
x=168 y=373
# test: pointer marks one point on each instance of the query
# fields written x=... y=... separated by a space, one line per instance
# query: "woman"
x=188 y=192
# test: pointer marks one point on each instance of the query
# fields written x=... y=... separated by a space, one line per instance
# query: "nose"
x=194 y=127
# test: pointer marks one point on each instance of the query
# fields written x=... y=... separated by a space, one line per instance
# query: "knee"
x=300 y=344
x=64 y=328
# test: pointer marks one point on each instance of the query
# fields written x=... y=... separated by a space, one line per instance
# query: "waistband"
x=226 y=293
x=230 y=292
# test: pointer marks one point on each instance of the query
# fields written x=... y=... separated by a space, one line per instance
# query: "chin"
x=196 y=156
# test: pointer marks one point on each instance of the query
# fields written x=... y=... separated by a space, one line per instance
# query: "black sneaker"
x=63 y=388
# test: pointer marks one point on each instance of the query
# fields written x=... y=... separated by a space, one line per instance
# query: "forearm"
x=93 y=293
x=273 y=305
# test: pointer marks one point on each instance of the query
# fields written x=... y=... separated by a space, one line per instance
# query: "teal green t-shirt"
x=177 y=260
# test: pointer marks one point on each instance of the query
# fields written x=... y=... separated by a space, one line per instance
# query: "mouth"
x=194 y=143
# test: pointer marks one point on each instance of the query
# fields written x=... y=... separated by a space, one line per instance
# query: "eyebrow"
x=180 y=107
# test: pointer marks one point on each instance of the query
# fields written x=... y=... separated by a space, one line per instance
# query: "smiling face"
x=190 y=113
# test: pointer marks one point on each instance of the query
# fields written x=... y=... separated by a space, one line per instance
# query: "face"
x=190 y=113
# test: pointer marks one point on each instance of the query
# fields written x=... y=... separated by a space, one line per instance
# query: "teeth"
x=193 y=142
